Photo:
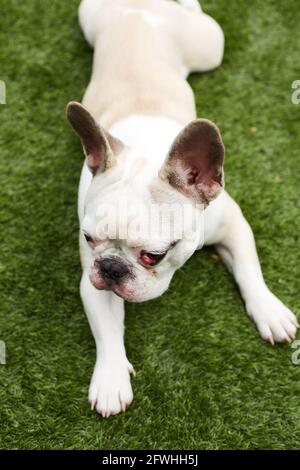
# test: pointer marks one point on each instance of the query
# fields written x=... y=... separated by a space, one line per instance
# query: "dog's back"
x=144 y=50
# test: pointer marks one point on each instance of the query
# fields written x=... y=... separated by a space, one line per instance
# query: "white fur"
x=150 y=18
x=149 y=137
x=192 y=5
x=110 y=390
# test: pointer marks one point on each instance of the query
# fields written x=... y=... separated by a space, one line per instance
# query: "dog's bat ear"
x=99 y=146
x=194 y=165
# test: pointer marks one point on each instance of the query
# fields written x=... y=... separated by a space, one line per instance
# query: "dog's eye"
x=88 y=238
x=151 y=259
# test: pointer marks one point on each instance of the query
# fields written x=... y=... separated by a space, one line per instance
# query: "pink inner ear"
x=203 y=174
x=206 y=184
x=92 y=139
x=94 y=160
x=192 y=176
x=200 y=152
x=202 y=161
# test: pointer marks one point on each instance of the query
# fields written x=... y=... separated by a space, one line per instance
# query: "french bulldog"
x=144 y=146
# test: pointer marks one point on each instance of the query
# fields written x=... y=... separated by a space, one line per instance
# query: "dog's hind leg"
x=88 y=14
x=200 y=37
x=192 y=5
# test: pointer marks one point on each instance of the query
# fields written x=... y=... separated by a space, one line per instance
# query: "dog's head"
x=139 y=227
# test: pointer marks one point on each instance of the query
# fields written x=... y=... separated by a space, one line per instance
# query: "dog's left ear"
x=99 y=146
x=194 y=165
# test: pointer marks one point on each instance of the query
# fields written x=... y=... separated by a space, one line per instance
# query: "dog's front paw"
x=110 y=390
x=274 y=321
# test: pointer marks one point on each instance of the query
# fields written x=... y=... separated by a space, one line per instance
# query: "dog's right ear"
x=99 y=146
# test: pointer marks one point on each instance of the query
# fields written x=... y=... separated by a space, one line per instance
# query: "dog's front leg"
x=236 y=246
x=110 y=390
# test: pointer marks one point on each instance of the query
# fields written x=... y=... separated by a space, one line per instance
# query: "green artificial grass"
x=204 y=377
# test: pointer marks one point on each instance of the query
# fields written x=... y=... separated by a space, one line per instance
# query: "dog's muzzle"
x=113 y=269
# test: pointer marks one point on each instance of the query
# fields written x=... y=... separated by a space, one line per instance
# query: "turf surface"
x=204 y=378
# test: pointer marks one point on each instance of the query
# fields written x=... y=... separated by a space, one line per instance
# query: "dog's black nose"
x=113 y=269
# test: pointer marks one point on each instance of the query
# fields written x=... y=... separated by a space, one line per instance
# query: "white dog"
x=153 y=152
